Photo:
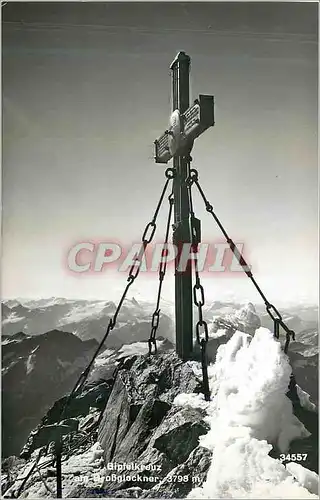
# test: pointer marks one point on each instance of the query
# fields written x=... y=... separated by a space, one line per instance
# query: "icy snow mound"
x=250 y=380
x=249 y=413
x=305 y=477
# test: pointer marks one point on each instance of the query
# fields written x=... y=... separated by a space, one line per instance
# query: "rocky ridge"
x=125 y=437
x=134 y=419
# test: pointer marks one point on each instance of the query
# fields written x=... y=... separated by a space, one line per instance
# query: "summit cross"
x=185 y=125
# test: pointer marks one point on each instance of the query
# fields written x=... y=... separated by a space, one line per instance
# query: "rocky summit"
x=144 y=437
x=139 y=427
x=125 y=436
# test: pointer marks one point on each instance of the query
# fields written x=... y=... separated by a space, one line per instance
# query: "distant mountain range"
x=89 y=318
x=85 y=319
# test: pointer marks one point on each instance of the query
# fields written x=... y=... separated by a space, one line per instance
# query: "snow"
x=80 y=312
x=109 y=355
x=8 y=341
x=82 y=468
x=29 y=364
x=103 y=358
x=38 y=302
x=305 y=400
x=248 y=413
x=305 y=477
x=31 y=360
x=12 y=318
x=137 y=348
x=216 y=334
x=191 y=400
x=85 y=462
x=312 y=351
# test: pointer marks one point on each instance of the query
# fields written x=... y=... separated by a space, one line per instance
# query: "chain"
x=34 y=466
x=270 y=308
x=44 y=482
x=133 y=274
x=147 y=237
x=198 y=290
x=162 y=272
x=276 y=328
x=58 y=456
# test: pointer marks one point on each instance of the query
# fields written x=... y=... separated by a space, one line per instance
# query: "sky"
x=86 y=91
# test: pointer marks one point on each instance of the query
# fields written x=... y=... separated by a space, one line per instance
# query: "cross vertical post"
x=183 y=280
x=186 y=124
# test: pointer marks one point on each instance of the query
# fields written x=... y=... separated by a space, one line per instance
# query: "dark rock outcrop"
x=36 y=371
x=179 y=433
x=192 y=472
x=52 y=425
x=46 y=434
x=306 y=370
x=310 y=420
x=141 y=425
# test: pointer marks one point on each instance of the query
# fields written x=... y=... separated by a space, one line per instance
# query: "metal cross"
x=185 y=125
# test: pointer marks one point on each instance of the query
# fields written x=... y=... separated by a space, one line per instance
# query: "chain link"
x=192 y=177
x=204 y=324
x=199 y=302
x=271 y=309
x=204 y=366
x=276 y=328
x=153 y=226
x=162 y=271
x=273 y=312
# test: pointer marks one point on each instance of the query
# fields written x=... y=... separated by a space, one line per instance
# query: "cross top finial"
x=186 y=122
x=180 y=57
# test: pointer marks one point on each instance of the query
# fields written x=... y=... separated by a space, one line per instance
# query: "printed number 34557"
x=293 y=457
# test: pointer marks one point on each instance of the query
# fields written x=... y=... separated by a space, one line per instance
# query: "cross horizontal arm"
x=193 y=122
